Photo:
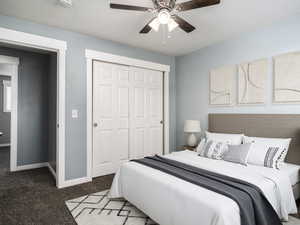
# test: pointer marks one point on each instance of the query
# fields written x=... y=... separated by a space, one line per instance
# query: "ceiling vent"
x=65 y=3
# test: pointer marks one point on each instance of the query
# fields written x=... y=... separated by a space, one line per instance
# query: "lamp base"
x=192 y=140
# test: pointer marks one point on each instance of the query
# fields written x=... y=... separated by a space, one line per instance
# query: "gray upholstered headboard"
x=261 y=125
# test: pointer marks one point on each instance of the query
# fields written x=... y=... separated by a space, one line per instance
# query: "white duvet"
x=171 y=201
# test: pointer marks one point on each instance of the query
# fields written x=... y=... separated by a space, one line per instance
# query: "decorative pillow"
x=233 y=139
x=237 y=153
x=201 y=145
x=213 y=149
x=268 y=152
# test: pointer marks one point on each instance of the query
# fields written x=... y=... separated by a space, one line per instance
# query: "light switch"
x=74 y=113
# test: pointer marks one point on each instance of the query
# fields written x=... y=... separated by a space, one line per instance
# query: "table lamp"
x=191 y=127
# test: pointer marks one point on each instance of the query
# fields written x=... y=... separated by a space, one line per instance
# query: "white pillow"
x=237 y=153
x=201 y=145
x=268 y=152
x=232 y=139
x=212 y=149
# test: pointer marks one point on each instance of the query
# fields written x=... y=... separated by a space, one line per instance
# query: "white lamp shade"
x=192 y=126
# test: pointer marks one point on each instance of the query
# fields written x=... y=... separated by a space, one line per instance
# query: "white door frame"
x=110 y=58
x=60 y=47
x=12 y=72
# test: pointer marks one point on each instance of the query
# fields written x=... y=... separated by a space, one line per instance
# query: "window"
x=7 y=96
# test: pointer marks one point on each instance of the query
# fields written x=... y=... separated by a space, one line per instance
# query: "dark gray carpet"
x=31 y=198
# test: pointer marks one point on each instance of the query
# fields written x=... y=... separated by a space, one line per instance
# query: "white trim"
x=166 y=113
x=105 y=57
x=31 y=40
x=51 y=170
x=60 y=47
x=60 y=149
x=5 y=145
x=89 y=109
x=9 y=60
x=31 y=166
x=36 y=166
x=77 y=181
x=12 y=71
x=6 y=84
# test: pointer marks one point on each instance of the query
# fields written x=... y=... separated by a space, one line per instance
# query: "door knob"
x=95 y=124
x=161 y=122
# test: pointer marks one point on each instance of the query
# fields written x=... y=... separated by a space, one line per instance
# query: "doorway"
x=5 y=109
x=8 y=111
x=28 y=113
x=21 y=39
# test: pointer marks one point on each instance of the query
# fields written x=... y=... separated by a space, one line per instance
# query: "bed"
x=293 y=172
x=172 y=201
x=264 y=125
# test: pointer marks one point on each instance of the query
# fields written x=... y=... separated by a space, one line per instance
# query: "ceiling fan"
x=165 y=13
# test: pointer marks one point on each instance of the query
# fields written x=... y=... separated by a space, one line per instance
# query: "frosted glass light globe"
x=164 y=16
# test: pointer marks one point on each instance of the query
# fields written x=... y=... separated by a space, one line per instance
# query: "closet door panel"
x=139 y=142
x=146 y=116
x=155 y=91
x=110 y=117
x=102 y=147
x=122 y=140
x=127 y=115
x=156 y=143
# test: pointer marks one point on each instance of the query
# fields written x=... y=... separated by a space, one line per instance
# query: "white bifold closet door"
x=146 y=117
x=127 y=115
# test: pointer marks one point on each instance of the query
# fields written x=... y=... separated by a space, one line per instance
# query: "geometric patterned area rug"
x=98 y=209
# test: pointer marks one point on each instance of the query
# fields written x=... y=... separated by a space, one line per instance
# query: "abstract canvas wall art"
x=252 y=80
x=287 y=78
x=222 y=85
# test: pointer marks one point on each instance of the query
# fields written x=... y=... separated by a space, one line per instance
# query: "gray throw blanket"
x=255 y=209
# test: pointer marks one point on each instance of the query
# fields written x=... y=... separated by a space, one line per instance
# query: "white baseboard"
x=65 y=184
x=51 y=170
x=32 y=166
x=5 y=145
x=73 y=182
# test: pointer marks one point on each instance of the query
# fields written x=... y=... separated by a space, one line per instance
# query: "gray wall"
x=76 y=84
x=32 y=105
x=52 y=121
x=192 y=71
x=4 y=116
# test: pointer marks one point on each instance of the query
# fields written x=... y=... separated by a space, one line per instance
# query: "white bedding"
x=171 y=201
x=292 y=171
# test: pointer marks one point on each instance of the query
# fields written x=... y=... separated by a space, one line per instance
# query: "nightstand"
x=186 y=147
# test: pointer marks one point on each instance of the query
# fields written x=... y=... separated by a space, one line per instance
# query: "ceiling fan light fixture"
x=172 y=25
x=155 y=24
x=164 y=16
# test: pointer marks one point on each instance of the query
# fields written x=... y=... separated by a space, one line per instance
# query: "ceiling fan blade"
x=129 y=7
x=194 y=4
x=187 y=27
x=147 y=28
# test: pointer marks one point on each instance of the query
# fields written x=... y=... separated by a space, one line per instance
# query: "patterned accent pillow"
x=201 y=145
x=273 y=157
x=268 y=152
x=213 y=149
x=261 y=146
